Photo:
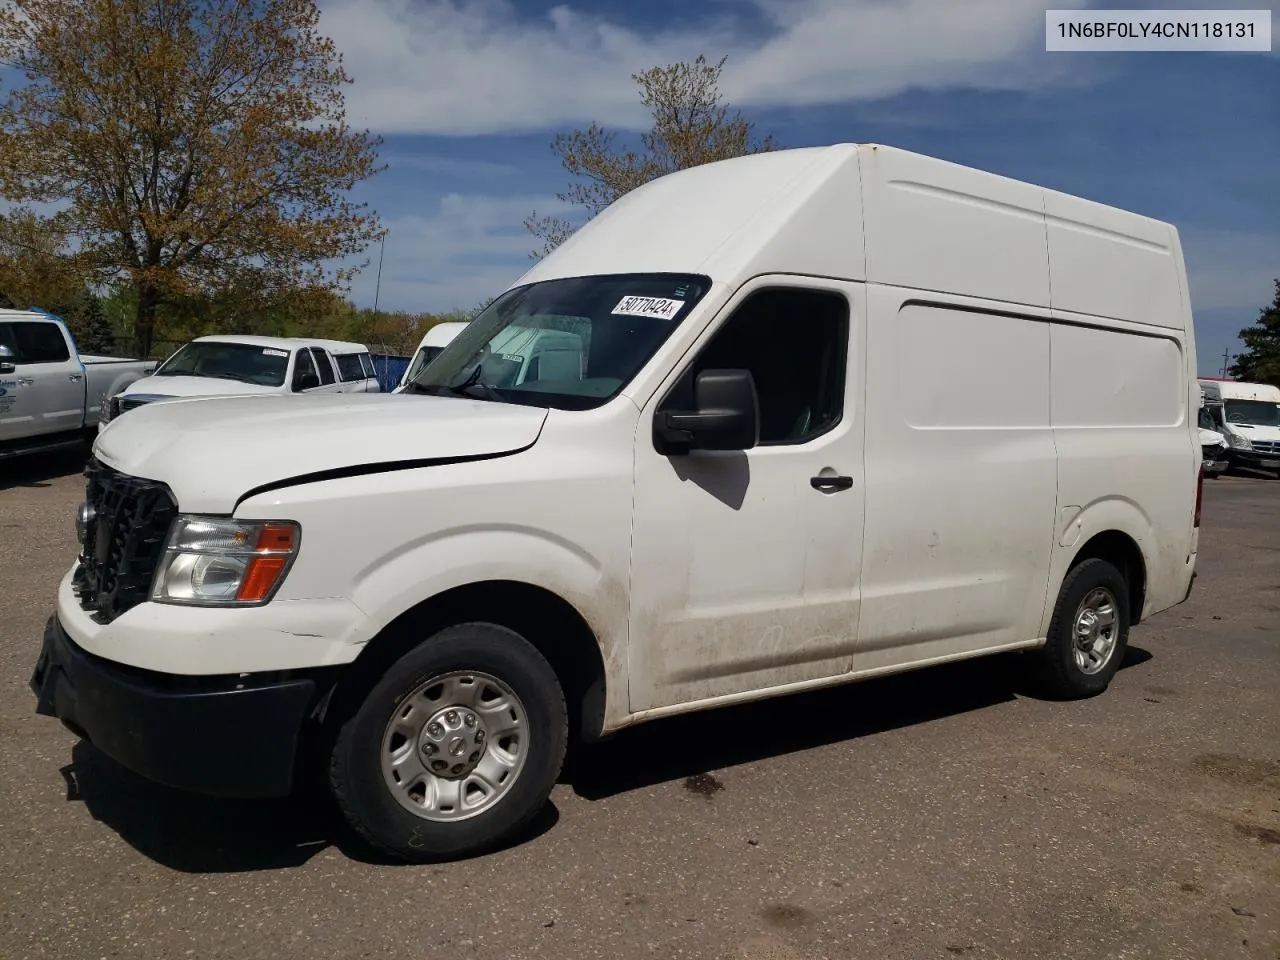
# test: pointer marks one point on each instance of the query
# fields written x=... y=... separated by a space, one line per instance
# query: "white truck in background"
x=1248 y=417
x=235 y=365
x=765 y=455
x=51 y=395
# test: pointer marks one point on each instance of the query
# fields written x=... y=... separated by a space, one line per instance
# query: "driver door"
x=746 y=565
x=305 y=378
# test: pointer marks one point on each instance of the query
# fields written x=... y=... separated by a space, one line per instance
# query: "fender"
x=425 y=568
x=1077 y=525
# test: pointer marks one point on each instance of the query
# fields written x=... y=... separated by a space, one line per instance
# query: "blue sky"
x=468 y=95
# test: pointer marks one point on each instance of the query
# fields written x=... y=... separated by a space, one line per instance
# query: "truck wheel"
x=455 y=749
x=1088 y=633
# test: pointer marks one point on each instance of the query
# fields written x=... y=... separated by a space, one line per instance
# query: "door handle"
x=830 y=484
x=25 y=381
x=75 y=377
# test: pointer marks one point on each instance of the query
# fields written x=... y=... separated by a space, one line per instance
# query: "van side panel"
x=961 y=477
x=1126 y=457
x=937 y=226
x=1111 y=264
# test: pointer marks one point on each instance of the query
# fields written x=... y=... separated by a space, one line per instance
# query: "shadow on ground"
x=197 y=834
x=39 y=469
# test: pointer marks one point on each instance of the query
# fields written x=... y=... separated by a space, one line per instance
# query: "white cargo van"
x=1250 y=421
x=840 y=412
x=433 y=343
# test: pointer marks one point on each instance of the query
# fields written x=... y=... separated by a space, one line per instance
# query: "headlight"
x=109 y=409
x=1239 y=442
x=215 y=561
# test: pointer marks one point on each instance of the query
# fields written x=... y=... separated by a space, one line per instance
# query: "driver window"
x=301 y=367
x=322 y=365
x=794 y=342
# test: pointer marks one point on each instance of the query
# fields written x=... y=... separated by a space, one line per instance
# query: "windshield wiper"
x=473 y=382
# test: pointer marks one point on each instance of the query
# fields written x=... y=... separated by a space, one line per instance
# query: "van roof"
x=873 y=212
x=441 y=333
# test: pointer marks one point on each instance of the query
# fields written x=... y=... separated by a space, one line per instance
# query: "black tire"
x=1059 y=674
x=355 y=766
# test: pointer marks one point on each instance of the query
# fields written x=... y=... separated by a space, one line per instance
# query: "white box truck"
x=843 y=411
x=1249 y=420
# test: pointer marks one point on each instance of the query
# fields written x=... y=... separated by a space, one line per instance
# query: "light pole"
x=377 y=287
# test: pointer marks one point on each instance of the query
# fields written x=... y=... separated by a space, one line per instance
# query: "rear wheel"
x=456 y=748
x=1088 y=634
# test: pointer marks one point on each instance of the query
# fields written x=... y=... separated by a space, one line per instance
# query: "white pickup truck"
x=50 y=393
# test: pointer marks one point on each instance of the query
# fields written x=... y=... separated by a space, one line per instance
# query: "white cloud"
x=466 y=249
x=460 y=68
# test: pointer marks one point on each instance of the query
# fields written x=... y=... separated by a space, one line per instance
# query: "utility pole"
x=1225 y=351
x=377 y=287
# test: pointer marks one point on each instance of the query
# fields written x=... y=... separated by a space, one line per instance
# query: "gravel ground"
x=939 y=814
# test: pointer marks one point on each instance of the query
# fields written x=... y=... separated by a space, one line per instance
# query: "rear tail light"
x=1199 y=493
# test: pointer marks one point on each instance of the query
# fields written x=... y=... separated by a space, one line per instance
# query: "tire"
x=409 y=722
x=1061 y=673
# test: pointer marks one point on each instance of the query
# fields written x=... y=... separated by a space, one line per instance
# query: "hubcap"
x=455 y=746
x=1096 y=630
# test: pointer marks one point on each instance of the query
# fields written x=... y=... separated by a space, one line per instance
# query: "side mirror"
x=726 y=415
x=8 y=362
x=307 y=381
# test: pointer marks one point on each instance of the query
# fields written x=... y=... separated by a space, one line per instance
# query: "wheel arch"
x=556 y=627
x=1123 y=552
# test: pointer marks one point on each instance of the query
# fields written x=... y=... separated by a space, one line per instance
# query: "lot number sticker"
x=659 y=307
x=275 y=353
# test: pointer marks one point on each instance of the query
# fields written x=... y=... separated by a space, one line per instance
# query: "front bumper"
x=1254 y=461
x=229 y=736
x=1215 y=459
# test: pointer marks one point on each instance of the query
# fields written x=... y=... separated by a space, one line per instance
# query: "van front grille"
x=123 y=540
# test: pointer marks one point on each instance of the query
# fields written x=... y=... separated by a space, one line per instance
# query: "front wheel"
x=1088 y=633
x=455 y=749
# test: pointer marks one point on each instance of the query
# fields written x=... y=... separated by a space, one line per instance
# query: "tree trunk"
x=144 y=322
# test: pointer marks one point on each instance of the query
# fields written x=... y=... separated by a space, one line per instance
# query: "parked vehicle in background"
x=1250 y=421
x=433 y=342
x=1214 y=452
x=769 y=456
x=354 y=366
x=521 y=354
x=50 y=393
x=240 y=365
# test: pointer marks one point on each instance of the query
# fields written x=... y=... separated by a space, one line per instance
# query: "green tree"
x=37 y=268
x=1261 y=363
x=691 y=126
x=94 y=333
x=194 y=143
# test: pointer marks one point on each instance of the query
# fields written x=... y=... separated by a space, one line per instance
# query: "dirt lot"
x=941 y=814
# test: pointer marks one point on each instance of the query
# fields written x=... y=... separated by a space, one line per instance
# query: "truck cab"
x=51 y=395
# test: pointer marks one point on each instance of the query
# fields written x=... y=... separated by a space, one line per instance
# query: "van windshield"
x=1254 y=413
x=247 y=363
x=570 y=344
x=424 y=356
